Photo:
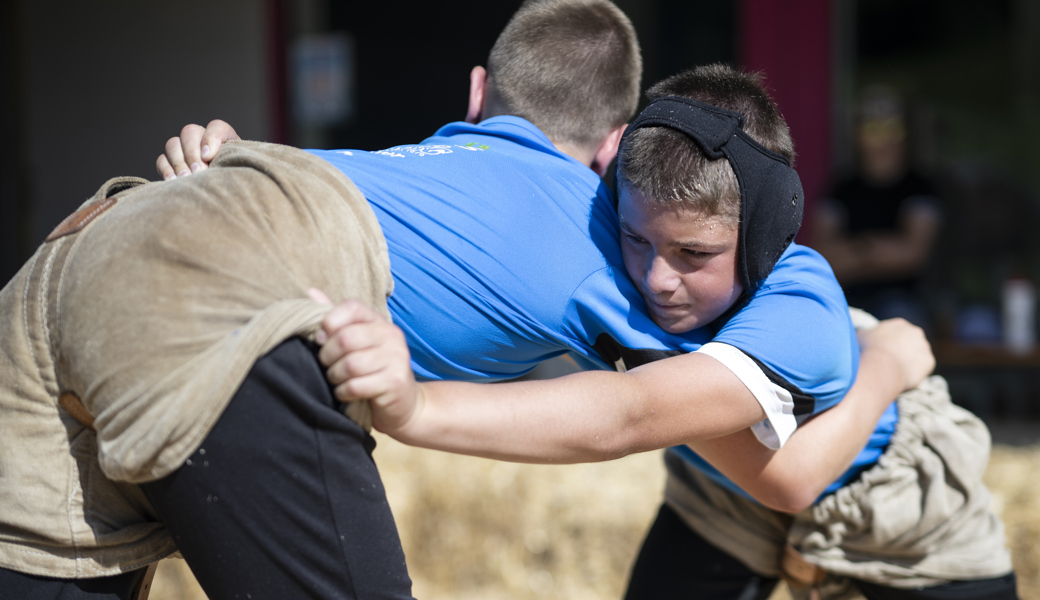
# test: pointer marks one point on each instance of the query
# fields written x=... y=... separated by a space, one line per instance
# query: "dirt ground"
x=478 y=529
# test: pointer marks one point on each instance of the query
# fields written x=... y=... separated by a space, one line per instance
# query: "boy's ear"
x=607 y=151
x=477 y=88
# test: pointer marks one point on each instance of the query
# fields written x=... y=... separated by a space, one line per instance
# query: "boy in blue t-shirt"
x=707 y=242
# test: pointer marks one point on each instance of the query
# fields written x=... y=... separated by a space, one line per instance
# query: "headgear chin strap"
x=771 y=197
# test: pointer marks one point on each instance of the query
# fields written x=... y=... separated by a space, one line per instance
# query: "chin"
x=678 y=326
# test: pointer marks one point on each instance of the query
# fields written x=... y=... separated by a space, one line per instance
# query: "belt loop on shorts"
x=799 y=573
x=74 y=406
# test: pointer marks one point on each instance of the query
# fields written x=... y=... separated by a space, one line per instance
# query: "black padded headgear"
x=771 y=197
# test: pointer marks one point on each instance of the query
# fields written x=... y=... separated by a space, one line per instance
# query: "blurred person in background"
x=877 y=227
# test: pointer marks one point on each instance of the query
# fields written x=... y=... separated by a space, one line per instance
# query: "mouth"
x=666 y=308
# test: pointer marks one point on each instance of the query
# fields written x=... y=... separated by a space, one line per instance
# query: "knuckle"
x=352 y=390
x=342 y=337
x=343 y=392
x=356 y=307
x=353 y=364
x=334 y=374
x=349 y=307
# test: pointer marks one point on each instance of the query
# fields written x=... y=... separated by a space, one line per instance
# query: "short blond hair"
x=571 y=67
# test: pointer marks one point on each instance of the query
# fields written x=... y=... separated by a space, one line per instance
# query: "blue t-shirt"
x=796 y=335
x=504 y=252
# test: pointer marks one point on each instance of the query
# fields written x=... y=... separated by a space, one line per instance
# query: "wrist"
x=408 y=426
x=886 y=375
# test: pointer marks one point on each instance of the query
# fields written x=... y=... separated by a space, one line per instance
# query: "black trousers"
x=675 y=563
x=19 y=586
x=281 y=501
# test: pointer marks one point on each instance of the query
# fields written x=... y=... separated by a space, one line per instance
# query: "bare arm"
x=895 y=356
x=830 y=240
x=584 y=417
x=872 y=256
x=600 y=415
x=905 y=251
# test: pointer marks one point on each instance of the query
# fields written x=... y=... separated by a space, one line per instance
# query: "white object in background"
x=1019 y=298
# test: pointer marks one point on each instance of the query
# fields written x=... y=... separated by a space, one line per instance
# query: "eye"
x=635 y=239
x=696 y=254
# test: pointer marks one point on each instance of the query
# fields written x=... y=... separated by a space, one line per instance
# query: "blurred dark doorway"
x=411 y=60
x=14 y=243
x=412 y=64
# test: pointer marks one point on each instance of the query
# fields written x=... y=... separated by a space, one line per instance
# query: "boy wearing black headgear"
x=707 y=242
x=675 y=186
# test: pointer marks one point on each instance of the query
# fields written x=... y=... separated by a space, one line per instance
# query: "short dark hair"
x=571 y=67
x=667 y=166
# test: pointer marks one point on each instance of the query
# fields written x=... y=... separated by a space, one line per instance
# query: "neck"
x=583 y=155
x=586 y=156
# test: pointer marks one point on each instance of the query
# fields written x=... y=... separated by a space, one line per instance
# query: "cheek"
x=714 y=286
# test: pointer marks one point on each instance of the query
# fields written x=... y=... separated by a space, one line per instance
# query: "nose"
x=660 y=277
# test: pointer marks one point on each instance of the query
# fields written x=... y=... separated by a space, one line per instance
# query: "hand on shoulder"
x=193 y=150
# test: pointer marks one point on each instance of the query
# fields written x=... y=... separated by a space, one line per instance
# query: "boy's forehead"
x=679 y=224
x=634 y=204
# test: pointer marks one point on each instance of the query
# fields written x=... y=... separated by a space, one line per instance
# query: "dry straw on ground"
x=478 y=529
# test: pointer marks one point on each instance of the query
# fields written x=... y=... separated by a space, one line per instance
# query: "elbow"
x=601 y=446
x=793 y=503
x=790 y=496
x=624 y=434
x=626 y=421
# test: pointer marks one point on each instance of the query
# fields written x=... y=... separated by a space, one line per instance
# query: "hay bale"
x=1012 y=477
x=476 y=528
x=479 y=529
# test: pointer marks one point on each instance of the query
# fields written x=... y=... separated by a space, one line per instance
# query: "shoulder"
x=797 y=325
x=607 y=313
x=801 y=298
x=802 y=272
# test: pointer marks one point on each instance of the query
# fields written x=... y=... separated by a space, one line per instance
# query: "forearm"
x=830 y=239
x=820 y=451
x=551 y=421
x=585 y=417
x=893 y=255
x=844 y=257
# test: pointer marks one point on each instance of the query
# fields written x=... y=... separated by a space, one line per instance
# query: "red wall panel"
x=790 y=42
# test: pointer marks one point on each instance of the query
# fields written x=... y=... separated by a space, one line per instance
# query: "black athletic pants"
x=675 y=563
x=19 y=586
x=281 y=501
